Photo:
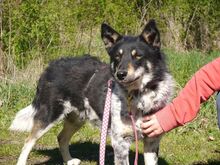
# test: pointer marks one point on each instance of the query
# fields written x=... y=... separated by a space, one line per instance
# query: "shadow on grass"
x=210 y=162
x=87 y=151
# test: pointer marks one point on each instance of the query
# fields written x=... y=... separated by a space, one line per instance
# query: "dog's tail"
x=24 y=120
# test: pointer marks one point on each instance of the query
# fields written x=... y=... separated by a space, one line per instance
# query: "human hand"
x=151 y=127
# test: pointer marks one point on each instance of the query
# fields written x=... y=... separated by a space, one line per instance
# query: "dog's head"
x=133 y=59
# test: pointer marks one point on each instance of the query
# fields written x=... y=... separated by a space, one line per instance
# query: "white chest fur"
x=146 y=101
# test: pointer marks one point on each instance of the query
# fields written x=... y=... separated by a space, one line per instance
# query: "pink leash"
x=105 y=121
x=136 y=139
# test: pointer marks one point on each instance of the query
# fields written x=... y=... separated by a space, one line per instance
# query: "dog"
x=74 y=90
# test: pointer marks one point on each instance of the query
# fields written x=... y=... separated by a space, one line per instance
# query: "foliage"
x=186 y=24
x=49 y=29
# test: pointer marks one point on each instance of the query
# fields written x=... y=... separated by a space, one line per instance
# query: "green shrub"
x=50 y=29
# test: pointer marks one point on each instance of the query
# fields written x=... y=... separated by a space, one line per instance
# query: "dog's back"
x=67 y=81
x=67 y=85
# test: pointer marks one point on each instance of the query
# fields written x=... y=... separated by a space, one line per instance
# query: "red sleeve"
x=186 y=105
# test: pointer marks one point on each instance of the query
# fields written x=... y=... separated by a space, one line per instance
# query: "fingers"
x=148 y=121
x=151 y=127
x=154 y=134
x=146 y=124
x=148 y=132
x=147 y=128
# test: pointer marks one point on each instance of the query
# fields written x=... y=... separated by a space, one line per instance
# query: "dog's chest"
x=123 y=105
x=141 y=102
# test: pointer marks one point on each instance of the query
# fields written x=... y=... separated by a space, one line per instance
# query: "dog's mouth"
x=130 y=79
x=129 y=82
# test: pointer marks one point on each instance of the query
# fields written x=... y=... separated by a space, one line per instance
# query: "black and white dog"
x=74 y=89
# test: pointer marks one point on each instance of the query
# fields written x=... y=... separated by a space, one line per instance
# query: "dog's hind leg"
x=70 y=127
x=38 y=130
x=151 y=149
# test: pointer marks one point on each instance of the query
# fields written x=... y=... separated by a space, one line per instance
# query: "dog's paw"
x=74 y=161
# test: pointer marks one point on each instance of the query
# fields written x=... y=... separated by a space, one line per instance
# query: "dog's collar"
x=133 y=93
x=130 y=96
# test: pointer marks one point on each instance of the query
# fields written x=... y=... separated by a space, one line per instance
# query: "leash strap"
x=136 y=138
x=134 y=128
x=105 y=121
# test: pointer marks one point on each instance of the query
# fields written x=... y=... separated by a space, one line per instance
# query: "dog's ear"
x=109 y=35
x=151 y=34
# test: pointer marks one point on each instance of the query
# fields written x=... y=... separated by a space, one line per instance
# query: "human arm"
x=185 y=106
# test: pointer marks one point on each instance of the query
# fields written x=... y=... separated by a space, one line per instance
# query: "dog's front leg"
x=121 y=150
x=151 y=149
x=119 y=141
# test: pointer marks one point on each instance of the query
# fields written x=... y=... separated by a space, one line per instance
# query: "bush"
x=49 y=29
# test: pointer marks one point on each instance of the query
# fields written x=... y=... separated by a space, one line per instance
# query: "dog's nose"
x=121 y=75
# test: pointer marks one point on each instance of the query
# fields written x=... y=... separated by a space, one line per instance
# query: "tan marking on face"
x=130 y=69
x=120 y=51
x=133 y=52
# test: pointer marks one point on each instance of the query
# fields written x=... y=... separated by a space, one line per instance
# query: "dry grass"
x=29 y=75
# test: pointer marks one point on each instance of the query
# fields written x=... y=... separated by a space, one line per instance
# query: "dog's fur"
x=74 y=89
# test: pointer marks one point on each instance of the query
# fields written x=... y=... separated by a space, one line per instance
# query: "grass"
x=197 y=143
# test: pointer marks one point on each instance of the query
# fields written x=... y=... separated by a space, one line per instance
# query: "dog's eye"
x=117 y=57
x=135 y=54
x=119 y=54
x=138 y=56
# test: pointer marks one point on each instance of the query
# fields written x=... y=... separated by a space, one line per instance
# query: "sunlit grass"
x=186 y=145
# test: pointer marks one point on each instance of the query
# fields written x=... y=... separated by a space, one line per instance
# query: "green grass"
x=187 y=145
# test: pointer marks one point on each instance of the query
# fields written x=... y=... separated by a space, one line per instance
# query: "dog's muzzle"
x=121 y=75
x=125 y=79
